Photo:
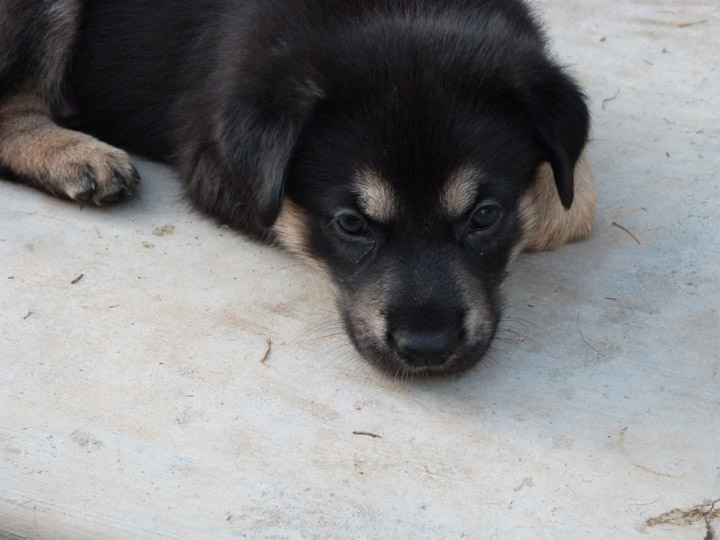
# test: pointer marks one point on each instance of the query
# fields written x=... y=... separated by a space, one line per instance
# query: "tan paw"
x=36 y=151
x=91 y=171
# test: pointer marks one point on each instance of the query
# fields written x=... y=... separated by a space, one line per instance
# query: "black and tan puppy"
x=410 y=147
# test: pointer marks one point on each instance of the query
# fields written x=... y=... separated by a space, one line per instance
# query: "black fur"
x=27 y=29
x=260 y=102
x=240 y=79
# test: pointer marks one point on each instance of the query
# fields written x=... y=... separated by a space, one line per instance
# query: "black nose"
x=426 y=348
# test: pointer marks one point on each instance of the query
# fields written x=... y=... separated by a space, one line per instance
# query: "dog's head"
x=402 y=174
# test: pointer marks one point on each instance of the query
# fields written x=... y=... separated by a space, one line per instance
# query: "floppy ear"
x=560 y=115
x=261 y=120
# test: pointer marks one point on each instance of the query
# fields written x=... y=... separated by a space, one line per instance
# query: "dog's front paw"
x=92 y=171
x=69 y=164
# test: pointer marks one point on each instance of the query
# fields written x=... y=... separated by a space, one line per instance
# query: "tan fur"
x=291 y=232
x=478 y=309
x=370 y=321
x=460 y=192
x=376 y=197
x=63 y=162
x=546 y=224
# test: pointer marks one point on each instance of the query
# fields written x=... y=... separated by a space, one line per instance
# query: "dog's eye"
x=352 y=224
x=484 y=217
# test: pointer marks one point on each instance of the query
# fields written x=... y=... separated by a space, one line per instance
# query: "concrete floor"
x=134 y=403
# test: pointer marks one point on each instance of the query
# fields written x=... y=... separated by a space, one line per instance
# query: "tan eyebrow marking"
x=460 y=191
x=375 y=196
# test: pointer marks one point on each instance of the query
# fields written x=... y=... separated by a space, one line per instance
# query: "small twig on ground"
x=604 y=101
x=616 y=224
x=685 y=25
x=367 y=434
x=74 y=281
x=28 y=314
x=583 y=336
x=267 y=352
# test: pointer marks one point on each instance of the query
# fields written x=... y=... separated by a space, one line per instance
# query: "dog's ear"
x=560 y=115
x=261 y=120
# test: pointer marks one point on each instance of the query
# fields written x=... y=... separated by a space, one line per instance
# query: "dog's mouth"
x=399 y=365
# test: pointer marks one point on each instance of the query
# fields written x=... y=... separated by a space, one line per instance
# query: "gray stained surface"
x=134 y=403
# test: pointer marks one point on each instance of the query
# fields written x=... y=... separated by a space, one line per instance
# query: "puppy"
x=411 y=148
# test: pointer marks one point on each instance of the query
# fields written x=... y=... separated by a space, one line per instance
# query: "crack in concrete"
x=677 y=517
x=629 y=459
x=711 y=534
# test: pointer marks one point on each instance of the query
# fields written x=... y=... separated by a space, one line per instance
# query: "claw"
x=87 y=194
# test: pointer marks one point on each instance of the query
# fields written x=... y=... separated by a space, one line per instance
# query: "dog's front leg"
x=36 y=41
x=69 y=164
